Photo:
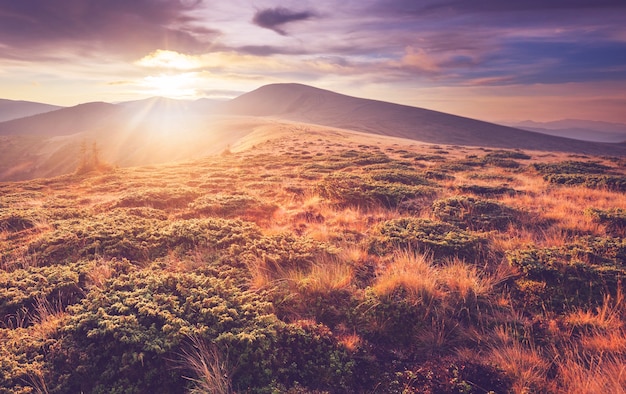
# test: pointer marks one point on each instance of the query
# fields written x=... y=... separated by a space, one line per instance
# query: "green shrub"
x=423 y=157
x=474 y=213
x=613 y=219
x=442 y=239
x=438 y=176
x=507 y=154
x=488 y=191
x=361 y=158
x=501 y=163
x=610 y=182
x=450 y=375
x=392 y=321
x=400 y=176
x=22 y=360
x=232 y=206
x=287 y=252
x=159 y=198
x=121 y=339
x=118 y=234
x=22 y=288
x=571 y=167
x=13 y=220
x=354 y=190
x=572 y=276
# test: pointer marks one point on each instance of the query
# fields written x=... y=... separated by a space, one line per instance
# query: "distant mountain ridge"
x=15 y=109
x=312 y=105
x=585 y=130
x=64 y=121
x=158 y=130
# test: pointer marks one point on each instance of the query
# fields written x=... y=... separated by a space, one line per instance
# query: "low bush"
x=613 y=219
x=404 y=177
x=450 y=375
x=354 y=190
x=120 y=235
x=501 y=163
x=571 y=167
x=159 y=198
x=487 y=191
x=442 y=239
x=21 y=289
x=573 y=276
x=127 y=337
x=610 y=182
x=234 y=205
x=13 y=220
x=507 y=154
x=475 y=214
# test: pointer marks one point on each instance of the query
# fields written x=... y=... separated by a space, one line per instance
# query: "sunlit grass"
x=426 y=270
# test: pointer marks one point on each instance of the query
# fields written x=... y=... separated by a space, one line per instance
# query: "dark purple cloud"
x=119 y=27
x=275 y=18
x=477 y=6
x=268 y=50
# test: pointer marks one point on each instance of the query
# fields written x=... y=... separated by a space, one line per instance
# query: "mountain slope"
x=578 y=129
x=307 y=104
x=12 y=109
x=61 y=122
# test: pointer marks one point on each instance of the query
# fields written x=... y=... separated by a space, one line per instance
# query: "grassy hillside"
x=319 y=261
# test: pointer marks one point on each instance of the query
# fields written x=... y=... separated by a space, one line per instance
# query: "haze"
x=490 y=60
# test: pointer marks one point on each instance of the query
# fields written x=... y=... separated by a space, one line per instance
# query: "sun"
x=177 y=86
x=179 y=77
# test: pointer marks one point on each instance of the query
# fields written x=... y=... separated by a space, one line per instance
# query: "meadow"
x=319 y=263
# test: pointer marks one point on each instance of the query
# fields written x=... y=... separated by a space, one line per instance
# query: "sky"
x=494 y=60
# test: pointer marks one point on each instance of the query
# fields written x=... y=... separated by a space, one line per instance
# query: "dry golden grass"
x=583 y=374
x=211 y=373
x=328 y=276
x=101 y=271
x=464 y=281
x=522 y=361
x=412 y=272
x=461 y=302
x=350 y=341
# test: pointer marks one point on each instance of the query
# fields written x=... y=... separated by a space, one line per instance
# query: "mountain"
x=127 y=134
x=63 y=121
x=585 y=130
x=158 y=130
x=11 y=109
x=311 y=105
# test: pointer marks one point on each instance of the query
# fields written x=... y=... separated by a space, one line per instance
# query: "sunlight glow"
x=170 y=59
x=179 y=86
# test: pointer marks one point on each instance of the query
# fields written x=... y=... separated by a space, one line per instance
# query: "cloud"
x=419 y=59
x=85 y=28
x=274 y=18
x=479 y=6
x=170 y=60
x=268 y=50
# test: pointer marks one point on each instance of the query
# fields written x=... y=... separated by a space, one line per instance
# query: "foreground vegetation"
x=317 y=264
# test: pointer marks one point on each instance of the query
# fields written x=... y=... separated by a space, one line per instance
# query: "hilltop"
x=162 y=130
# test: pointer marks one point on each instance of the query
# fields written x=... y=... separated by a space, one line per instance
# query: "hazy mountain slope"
x=159 y=130
x=12 y=109
x=578 y=129
x=312 y=105
x=124 y=138
x=64 y=121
